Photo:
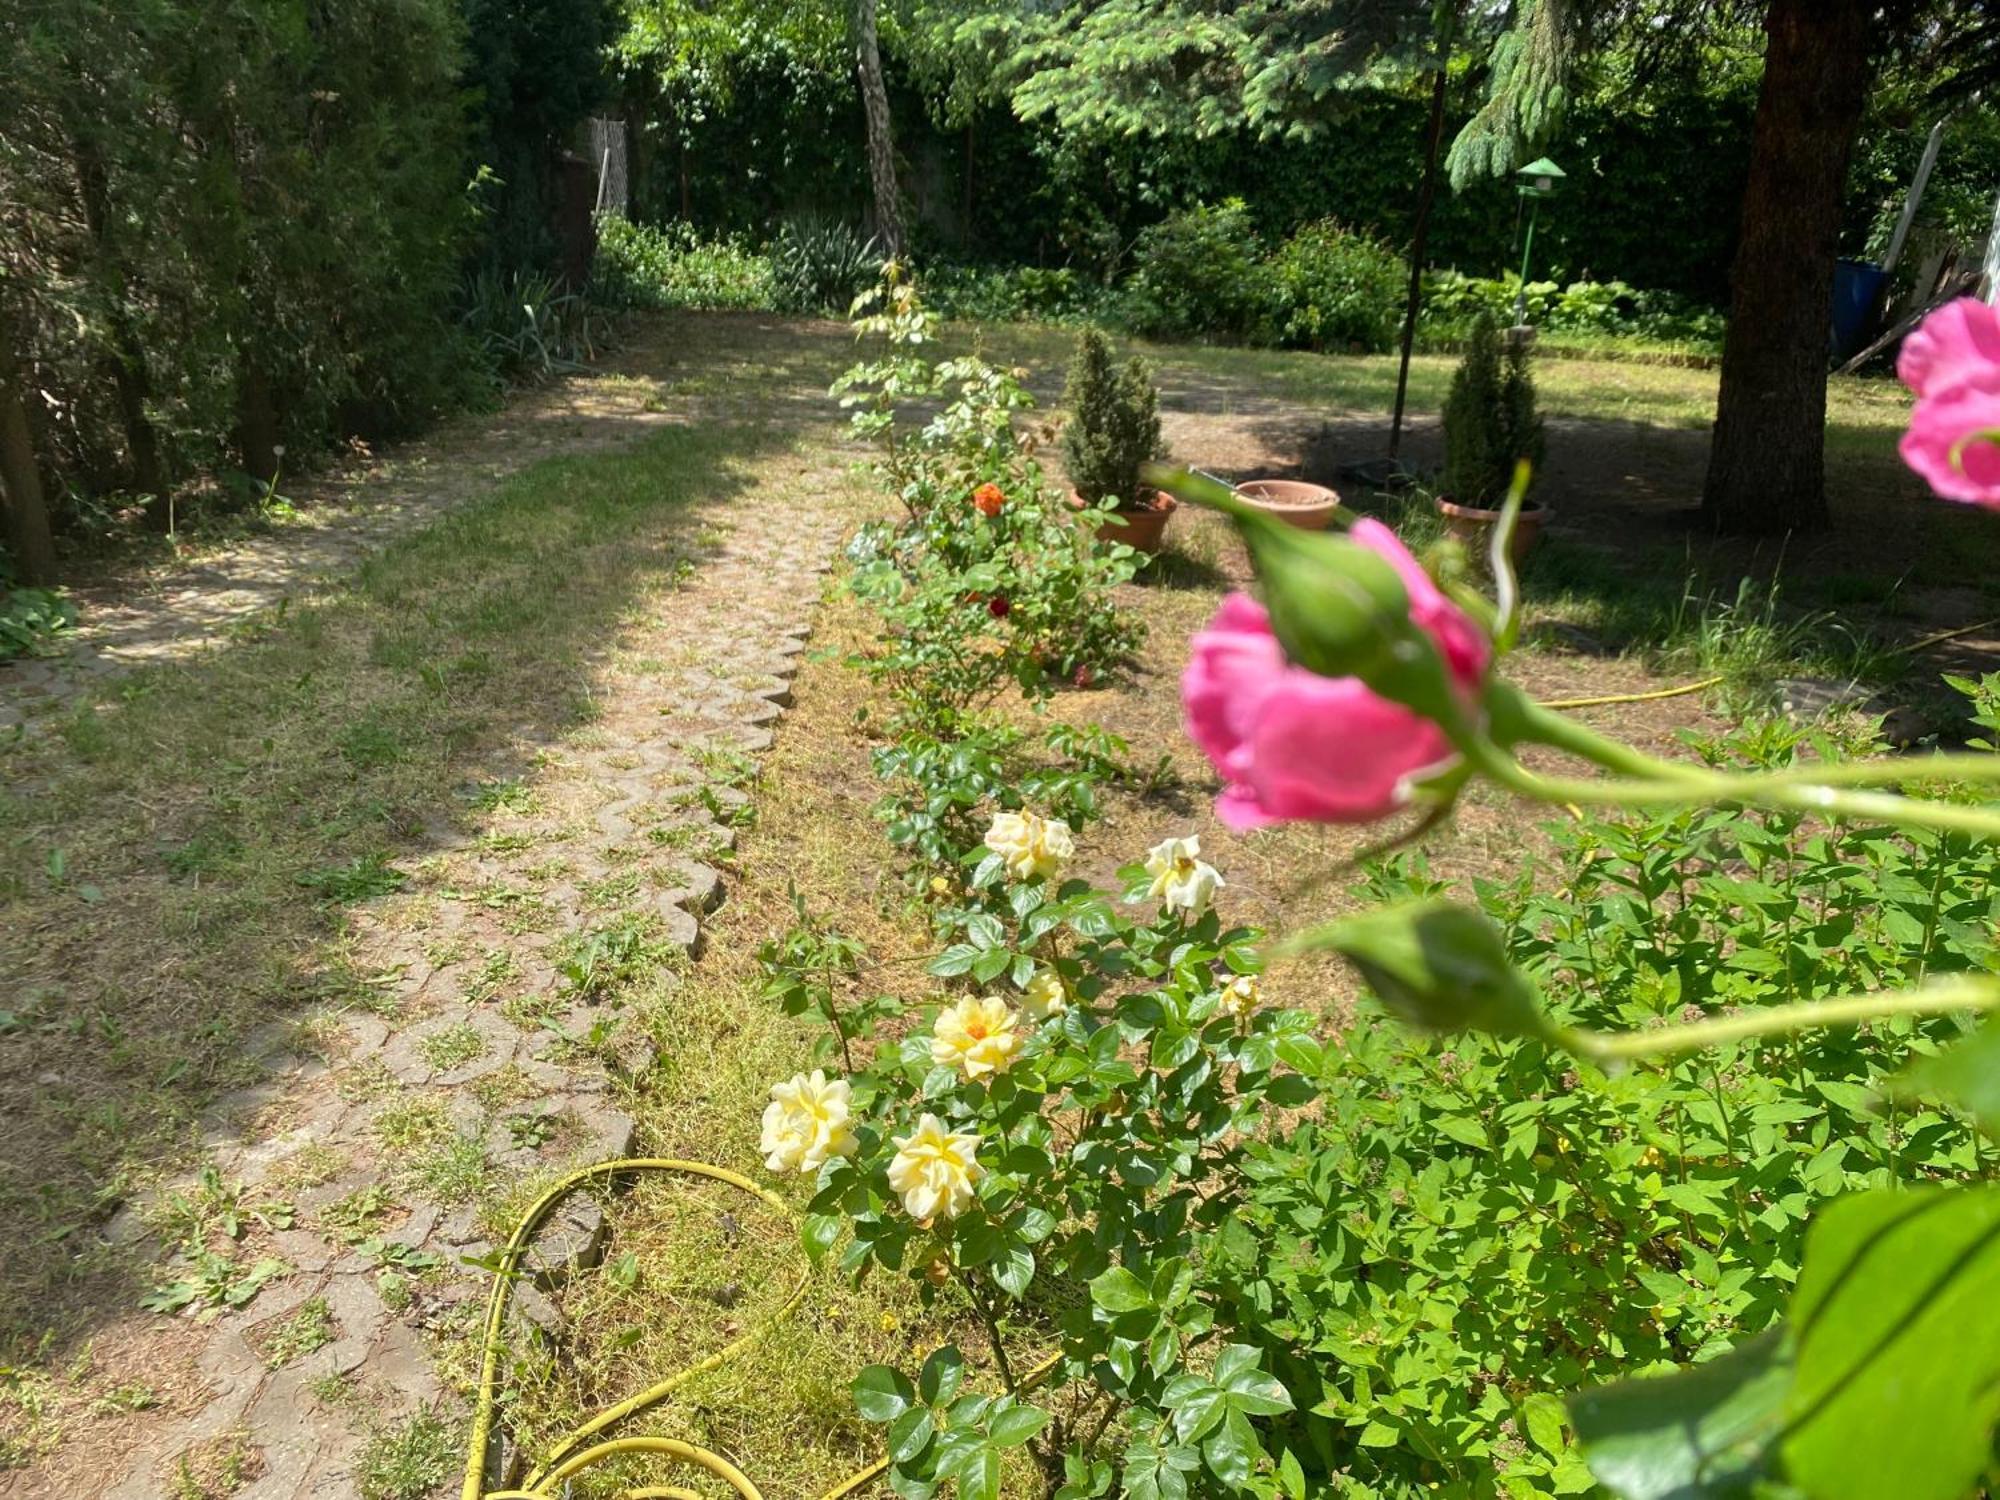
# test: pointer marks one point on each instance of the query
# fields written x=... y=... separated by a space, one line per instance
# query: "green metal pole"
x=1527 y=247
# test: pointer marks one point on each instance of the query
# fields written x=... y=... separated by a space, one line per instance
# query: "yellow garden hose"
x=1908 y=648
x=1646 y=697
x=574 y=1452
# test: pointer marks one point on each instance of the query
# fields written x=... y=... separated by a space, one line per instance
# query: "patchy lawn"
x=173 y=862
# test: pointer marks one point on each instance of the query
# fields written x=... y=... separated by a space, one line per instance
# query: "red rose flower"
x=988 y=500
x=998 y=606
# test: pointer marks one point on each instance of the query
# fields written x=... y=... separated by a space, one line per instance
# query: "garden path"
x=400 y=1128
x=401 y=1135
x=181 y=608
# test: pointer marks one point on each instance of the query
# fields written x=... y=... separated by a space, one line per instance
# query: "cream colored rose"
x=1045 y=996
x=1181 y=881
x=976 y=1036
x=1240 y=996
x=1030 y=845
x=806 y=1123
x=935 y=1170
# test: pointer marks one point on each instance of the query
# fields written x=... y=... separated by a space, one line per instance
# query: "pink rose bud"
x=1960 y=340
x=1952 y=362
x=1291 y=744
x=1954 y=441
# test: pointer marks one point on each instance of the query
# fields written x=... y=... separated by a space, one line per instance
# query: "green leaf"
x=988 y=966
x=1248 y=1388
x=1965 y=1076
x=910 y=1434
x=1467 y=1131
x=1232 y=1450
x=1119 y=1291
x=979 y=1476
x=1543 y=1415
x=1897 y=1327
x=818 y=1232
x=1014 y=1425
x=1199 y=1413
x=881 y=1394
x=1014 y=1269
x=941 y=1375
x=1704 y=1432
x=954 y=961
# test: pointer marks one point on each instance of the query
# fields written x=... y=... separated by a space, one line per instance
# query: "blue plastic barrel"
x=1857 y=289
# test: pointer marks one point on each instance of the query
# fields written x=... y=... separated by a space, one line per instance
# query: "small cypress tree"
x=1114 y=422
x=1490 y=419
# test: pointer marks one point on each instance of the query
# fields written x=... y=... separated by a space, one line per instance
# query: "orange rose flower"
x=988 y=500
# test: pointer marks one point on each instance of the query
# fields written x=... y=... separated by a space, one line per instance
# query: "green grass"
x=454 y=1047
x=136 y=981
x=1865 y=415
x=409 y=1460
x=299 y=1333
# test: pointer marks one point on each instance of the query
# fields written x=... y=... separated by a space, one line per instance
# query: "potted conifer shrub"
x=1490 y=424
x=1113 y=429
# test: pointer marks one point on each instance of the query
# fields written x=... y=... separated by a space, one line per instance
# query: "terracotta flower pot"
x=1307 y=506
x=1142 y=529
x=1473 y=526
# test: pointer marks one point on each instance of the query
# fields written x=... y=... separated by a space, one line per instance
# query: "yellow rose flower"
x=1029 y=844
x=935 y=1170
x=1045 y=995
x=1240 y=996
x=976 y=1036
x=1180 y=879
x=806 y=1123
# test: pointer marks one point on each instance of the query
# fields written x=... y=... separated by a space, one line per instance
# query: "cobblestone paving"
x=416 y=1125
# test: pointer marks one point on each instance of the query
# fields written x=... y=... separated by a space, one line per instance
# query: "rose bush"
x=1217 y=1252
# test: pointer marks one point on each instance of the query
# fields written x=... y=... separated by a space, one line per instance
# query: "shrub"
x=999 y=294
x=1337 y=289
x=639 y=265
x=1114 y=423
x=991 y=581
x=527 y=327
x=1200 y=272
x=820 y=265
x=1612 y=310
x=1490 y=421
x=30 y=619
x=1509 y=1224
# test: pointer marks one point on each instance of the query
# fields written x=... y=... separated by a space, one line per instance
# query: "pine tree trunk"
x=1766 y=470
x=26 y=512
x=881 y=141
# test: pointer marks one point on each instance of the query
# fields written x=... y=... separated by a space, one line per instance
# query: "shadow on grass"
x=1174 y=569
x=173 y=861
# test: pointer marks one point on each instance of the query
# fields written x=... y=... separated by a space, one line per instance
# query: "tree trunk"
x=1766 y=469
x=881 y=142
x=1419 y=234
x=124 y=364
x=257 y=425
x=27 y=513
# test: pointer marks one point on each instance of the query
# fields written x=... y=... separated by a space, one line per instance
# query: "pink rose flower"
x=1954 y=441
x=1960 y=341
x=1293 y=745
x=1952 y=362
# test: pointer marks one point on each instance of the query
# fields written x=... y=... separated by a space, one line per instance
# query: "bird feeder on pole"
x=1536 y=181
